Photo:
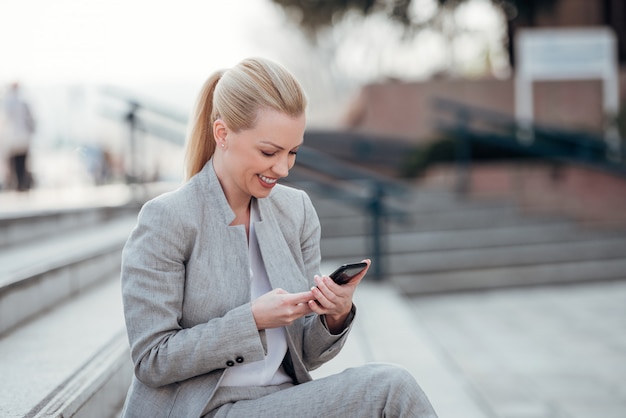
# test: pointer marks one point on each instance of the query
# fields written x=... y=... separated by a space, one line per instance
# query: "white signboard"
x=565 y=54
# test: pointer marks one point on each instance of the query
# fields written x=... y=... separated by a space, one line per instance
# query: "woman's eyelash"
x=270 y=154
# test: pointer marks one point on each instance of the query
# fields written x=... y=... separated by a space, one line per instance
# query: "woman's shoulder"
x=184 y=198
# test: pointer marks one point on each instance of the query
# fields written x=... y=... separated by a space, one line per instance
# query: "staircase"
x=63 y=345
x=451 y=244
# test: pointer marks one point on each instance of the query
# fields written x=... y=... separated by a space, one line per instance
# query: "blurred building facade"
x=403 y=110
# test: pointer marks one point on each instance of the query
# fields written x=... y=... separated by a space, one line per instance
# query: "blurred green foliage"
x=315 y=15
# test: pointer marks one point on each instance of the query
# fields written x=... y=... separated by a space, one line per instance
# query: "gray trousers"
x=373 y=390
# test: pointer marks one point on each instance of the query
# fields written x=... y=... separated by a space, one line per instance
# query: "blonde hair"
x=235 y=96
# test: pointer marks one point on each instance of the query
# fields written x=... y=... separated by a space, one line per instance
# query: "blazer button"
x=230 y=363
x=239 y=359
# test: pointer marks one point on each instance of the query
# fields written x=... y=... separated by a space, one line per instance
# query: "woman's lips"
x=267 y=181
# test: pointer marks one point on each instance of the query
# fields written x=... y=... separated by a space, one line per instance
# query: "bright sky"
x=177 y=44
x=125 y=40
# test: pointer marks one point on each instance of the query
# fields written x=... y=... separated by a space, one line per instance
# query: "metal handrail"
x=467 y=124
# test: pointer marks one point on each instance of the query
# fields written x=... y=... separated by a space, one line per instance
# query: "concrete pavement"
x=537 y=352
x=541 y=352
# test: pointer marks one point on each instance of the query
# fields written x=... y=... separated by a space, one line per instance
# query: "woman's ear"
x=220 y=132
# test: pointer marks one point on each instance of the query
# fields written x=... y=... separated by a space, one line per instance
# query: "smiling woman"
x=225 y=308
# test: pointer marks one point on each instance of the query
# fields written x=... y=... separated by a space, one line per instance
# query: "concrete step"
x=330 y=205
x=25 y=227
x=72 y=361
x=451 y=220
x=38 y=276
x=415 y=202
x=428 y=211
x=406 y=242
x=28 y=217
x=511 y=276
x=414 y=262
x=517 y=255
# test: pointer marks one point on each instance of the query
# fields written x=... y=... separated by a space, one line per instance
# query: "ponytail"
x=200 y=140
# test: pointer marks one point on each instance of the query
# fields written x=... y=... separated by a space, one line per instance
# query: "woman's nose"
x=281 y=167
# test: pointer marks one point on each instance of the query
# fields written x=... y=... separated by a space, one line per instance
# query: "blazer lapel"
x=283 y=272
x=234 y=262
x=281 y=269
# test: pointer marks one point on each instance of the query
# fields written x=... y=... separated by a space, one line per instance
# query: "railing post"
x=463 y=153
x=132 y=174
x=377 y=215
x=623 y=149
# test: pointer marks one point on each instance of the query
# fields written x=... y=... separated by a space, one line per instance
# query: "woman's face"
x=254 y=159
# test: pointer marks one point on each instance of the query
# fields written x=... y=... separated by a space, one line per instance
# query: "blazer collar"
x=280 y=267
x=212 y=189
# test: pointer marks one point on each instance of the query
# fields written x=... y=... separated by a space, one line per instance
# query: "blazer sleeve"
x=153 y=280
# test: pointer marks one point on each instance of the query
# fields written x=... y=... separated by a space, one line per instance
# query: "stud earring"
x=222 y=145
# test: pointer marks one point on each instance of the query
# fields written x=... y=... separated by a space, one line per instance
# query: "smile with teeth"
x=267 y=179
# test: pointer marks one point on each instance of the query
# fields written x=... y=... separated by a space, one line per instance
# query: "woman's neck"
x=242 y=215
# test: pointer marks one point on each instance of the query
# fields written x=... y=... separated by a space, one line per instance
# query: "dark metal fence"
x=468 y=125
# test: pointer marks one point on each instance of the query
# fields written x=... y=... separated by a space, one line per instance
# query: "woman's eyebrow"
x=278 y=146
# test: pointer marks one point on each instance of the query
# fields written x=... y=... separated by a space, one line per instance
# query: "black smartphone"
x=346 y=272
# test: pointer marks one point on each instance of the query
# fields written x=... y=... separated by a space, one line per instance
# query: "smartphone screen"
x=346 y=272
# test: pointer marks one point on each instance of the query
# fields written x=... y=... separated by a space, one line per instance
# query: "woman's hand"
x=333 y=300
x=279 y=308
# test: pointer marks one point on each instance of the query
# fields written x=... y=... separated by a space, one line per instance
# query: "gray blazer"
x=186 y=292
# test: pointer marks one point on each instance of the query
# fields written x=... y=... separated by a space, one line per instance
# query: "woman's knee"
x=402 y=391
x=388 y=372
x=386 y=377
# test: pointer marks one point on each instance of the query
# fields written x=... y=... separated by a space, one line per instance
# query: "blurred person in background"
x=17 y=127
x=225 y=307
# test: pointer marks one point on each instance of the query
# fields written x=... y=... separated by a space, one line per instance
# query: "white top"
x=268 y=371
